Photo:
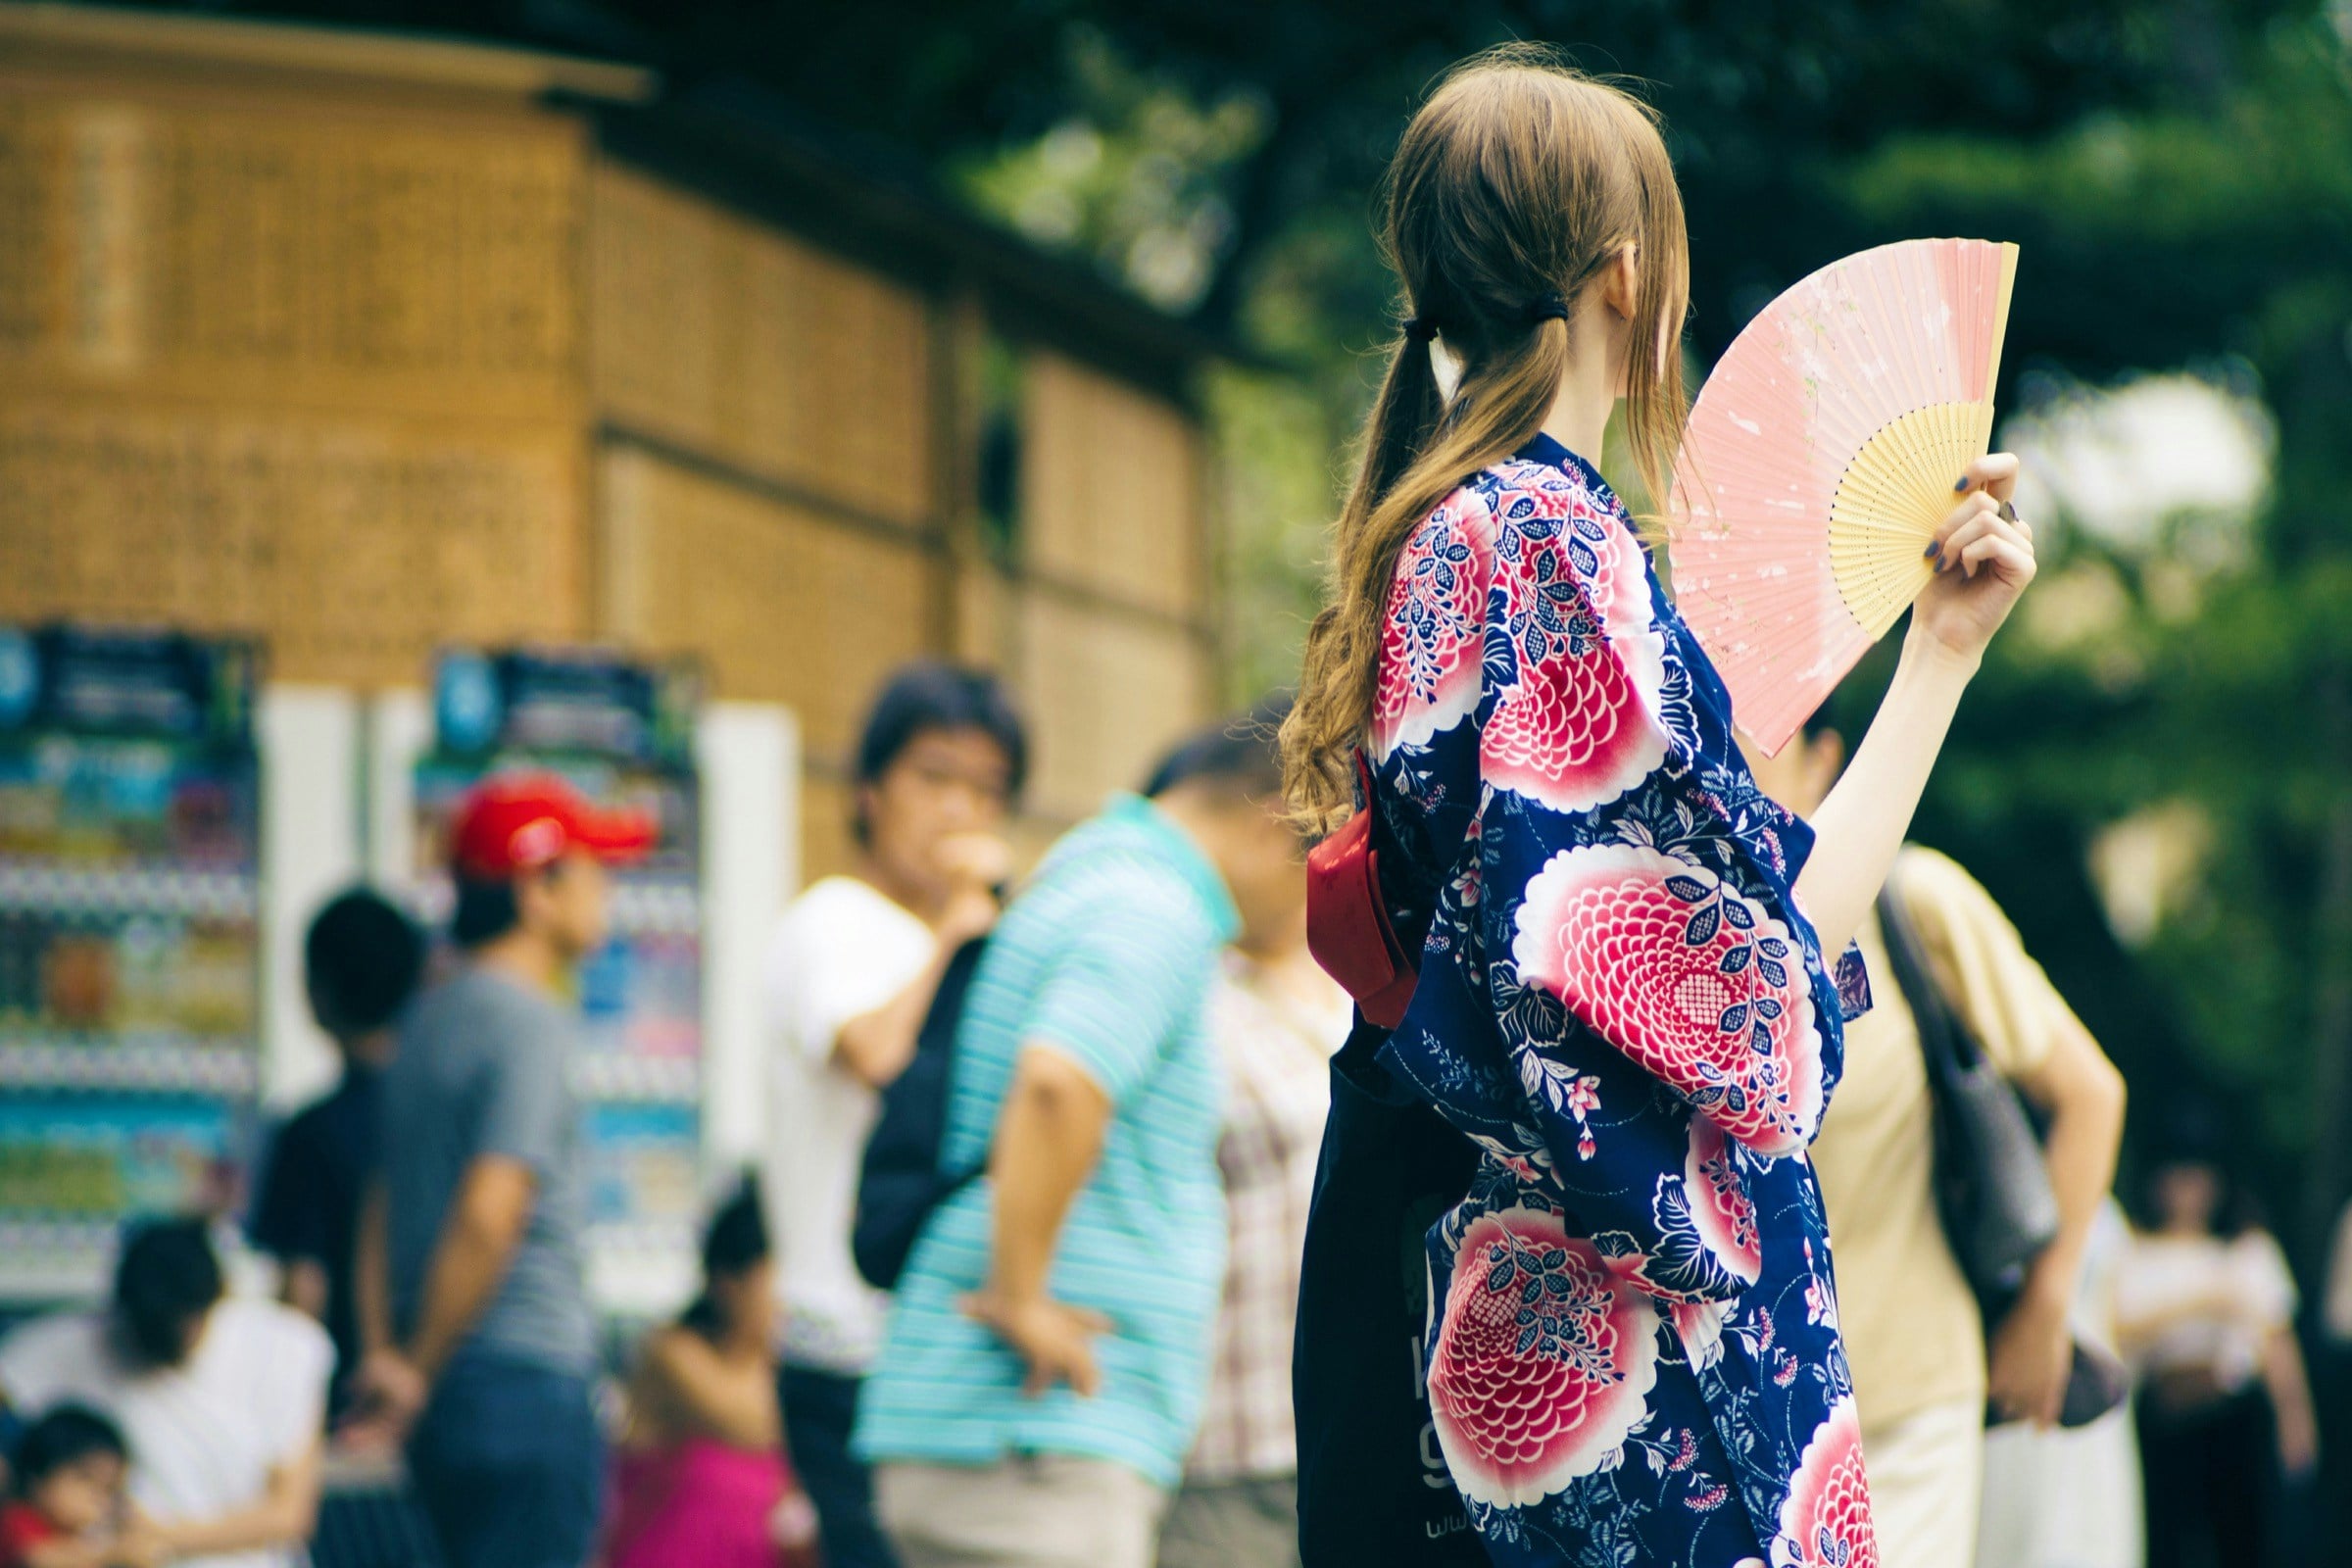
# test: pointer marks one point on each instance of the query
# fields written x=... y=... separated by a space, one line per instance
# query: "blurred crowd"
x=1071 y=1119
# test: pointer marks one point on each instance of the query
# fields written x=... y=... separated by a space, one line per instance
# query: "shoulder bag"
x=1992 y=1186
x=1992 y=1189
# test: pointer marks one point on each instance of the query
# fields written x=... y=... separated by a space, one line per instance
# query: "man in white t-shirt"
x=222 y=1398
x=850 y=973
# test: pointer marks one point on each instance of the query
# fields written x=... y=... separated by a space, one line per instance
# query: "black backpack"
x=899 y=1181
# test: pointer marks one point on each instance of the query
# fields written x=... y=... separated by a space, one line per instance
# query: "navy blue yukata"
x=1633 y=1350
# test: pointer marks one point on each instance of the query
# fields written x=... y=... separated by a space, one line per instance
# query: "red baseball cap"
x=516 y=822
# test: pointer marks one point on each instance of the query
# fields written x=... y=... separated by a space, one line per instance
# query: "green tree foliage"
x=2156 y=237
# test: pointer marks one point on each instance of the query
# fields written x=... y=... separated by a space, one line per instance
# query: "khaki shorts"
x=1042 y=1510
x=1233 y=1524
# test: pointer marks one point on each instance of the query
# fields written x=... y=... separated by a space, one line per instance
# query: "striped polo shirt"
x=1107 y=957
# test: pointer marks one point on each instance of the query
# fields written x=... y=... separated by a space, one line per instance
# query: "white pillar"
x=749 y=754
x=309 y=738
x=400 y=730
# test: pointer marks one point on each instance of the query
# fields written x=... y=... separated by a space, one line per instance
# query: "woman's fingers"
x=1971 y=523
x=1995 y=472
x=2012 y=529
x=1968 y=523
x=2010 y=556
x=1970 y=553
x=1969 y=512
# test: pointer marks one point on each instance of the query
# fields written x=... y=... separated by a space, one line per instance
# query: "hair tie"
x=1421 y=329
x=1547 y=308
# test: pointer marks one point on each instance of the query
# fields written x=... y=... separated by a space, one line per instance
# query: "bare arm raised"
x=1983 y=562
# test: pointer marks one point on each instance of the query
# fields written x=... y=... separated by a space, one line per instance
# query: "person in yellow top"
x=1923 y=1370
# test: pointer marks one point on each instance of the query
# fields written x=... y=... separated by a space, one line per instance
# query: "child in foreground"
x=69 y=1509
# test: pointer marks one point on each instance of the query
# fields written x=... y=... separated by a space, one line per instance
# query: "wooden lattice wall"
x=366 y=367
x=1106 y=635
x=783 y=603
x=285 y=365
x=742 y=344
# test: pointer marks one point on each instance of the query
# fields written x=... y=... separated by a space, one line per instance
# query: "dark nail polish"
x=1962 y=484
x=1931 y=551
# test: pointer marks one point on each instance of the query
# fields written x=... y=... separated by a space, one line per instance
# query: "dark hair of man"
x=1238 y=754
x=63 y=1434
x=931 y=695
x=168 y=1279
x=486 y=909
x=736 y=1241
x=362 y=958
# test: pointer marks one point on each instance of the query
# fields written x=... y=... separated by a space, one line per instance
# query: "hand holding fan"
x=1819 y=463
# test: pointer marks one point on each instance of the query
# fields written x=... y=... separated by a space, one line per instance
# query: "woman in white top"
x=2205 y=1312
x=850 y=972
x=222 y=1399
x=2069 y=1497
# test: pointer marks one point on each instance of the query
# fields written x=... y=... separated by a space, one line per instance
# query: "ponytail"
x=1516 y=184
x=1417 y=451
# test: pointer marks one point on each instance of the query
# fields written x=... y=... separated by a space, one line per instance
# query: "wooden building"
x=366 y=344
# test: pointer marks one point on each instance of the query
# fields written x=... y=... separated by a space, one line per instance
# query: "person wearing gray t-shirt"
x=480 y=1344
x=483 y=1075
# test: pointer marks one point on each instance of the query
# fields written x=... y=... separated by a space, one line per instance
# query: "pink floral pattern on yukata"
x=1437 y=609
x=1825 y=1521
x=1720 y=1206
x=1635 y=1358
x=1579 y=724
x=1543 y=1363
x=1687 y=977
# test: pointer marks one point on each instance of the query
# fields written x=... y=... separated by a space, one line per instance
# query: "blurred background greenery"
x=2155 y=775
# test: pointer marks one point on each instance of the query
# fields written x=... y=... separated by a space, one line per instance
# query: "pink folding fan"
x=1820 y=459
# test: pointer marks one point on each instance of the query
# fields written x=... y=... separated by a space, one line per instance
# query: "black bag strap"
x=899 y=1179
x=1943 y=1038
x=938 y=1031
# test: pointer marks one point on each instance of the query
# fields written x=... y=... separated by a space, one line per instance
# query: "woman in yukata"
x=1633 y=1354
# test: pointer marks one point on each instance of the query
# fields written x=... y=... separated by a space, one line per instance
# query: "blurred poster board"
x=131 y=877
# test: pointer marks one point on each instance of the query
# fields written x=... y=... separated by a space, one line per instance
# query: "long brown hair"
x=1515 y=185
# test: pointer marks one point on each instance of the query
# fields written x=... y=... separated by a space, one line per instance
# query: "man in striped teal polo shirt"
x=1043 y=1371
